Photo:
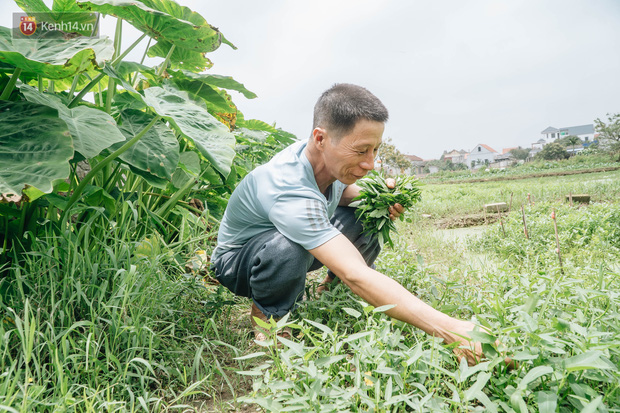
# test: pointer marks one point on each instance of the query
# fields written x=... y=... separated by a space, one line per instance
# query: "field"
x=108 y=328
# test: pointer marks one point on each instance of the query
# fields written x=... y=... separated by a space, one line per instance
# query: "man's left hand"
x=396 y=209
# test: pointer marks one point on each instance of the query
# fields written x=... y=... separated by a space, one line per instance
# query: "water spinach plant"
x=375 y=199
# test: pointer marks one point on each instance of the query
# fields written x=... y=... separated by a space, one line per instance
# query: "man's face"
x=353 y=156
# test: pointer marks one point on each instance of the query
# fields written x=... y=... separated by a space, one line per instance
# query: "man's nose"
x=369 y=162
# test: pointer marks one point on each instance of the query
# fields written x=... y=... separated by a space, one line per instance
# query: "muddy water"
x=460 y=234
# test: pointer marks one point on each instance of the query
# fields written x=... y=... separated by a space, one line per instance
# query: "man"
x=290 y=216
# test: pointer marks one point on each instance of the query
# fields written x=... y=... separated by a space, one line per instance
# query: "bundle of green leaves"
x=373 y=203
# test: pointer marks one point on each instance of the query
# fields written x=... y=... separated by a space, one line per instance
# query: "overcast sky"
x=452 y=73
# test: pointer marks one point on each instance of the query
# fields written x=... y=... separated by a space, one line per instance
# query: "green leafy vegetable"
x=375 y=199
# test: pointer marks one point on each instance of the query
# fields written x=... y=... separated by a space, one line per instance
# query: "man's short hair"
x=341 y=106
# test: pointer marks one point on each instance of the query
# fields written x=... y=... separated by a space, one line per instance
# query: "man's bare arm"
x=340 y=256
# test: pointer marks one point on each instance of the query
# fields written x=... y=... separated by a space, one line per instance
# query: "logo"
x=27 y=25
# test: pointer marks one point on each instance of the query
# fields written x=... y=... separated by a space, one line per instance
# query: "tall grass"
x=88 y=324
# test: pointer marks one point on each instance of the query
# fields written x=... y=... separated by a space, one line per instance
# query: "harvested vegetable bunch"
x=375 y=199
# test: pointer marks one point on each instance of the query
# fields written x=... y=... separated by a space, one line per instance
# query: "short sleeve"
x=303 y=220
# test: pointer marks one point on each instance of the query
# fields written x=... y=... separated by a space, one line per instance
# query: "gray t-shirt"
x=281 y=194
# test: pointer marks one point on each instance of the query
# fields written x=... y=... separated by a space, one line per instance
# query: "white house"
x=481 y=155
x=584 y=132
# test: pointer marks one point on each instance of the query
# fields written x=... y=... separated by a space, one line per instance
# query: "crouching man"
x=291 y=216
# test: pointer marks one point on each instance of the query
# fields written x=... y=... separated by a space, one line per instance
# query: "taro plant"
x=81 y=127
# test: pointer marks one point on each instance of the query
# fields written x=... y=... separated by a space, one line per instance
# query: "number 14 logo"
x=27 y=25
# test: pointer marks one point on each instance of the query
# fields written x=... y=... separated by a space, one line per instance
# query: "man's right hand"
x=324 y=286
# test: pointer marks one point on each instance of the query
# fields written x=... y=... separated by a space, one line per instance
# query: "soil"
x=464 y=221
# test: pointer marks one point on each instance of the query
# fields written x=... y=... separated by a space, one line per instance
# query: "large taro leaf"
x=60 y=8
x=35 y=147
x=189 y=168
x=125 y=100
x=92 y=129
x=279 y=135
x=165 y=20
x=183 y=13
x=157 y=152
x=214 y=100
x=52 y=56
x=223 y=82
x=181 y=58
x=63 y=6
x=191 y=119
x=125 y=69
x=36 y=6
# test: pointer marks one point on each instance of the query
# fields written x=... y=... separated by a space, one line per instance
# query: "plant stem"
x=164 y=64
x=100 y=76
x=8 y=89
x=76 y=79
x=100 y=94
x=110 y=95
x=40 y=83
x=501 y=221
x=557 y=241
x=118 y=35
x=135 y=78
x=524 y=224
x=78 y=191
x=169 y=204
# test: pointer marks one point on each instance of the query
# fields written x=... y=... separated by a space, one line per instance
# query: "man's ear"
x=318 y=137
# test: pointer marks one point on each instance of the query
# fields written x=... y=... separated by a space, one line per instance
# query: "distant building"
x=417 y=163
x=456 y=156
x=416 y=168
x=432 y=169
x=503 y=160
x=584 y=132
x=481 y=155
x=538 y=145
